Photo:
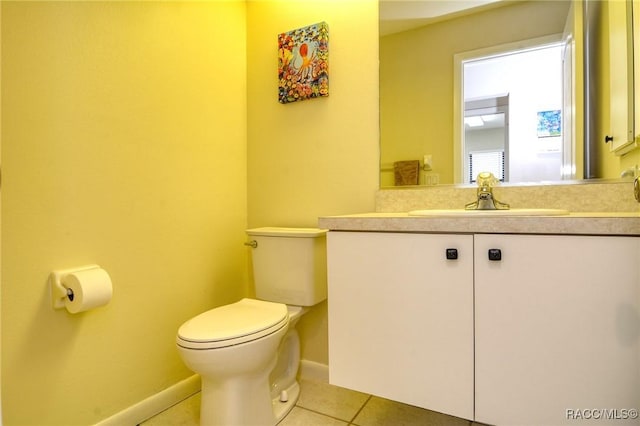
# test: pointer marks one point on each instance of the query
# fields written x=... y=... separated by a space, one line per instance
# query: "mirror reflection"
x=428 y=100
x=486 y=138
x=527 y=85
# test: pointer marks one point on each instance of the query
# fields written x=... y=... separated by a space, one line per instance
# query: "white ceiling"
x=403 y=15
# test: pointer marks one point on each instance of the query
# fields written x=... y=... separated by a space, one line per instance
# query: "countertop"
x=623 y=223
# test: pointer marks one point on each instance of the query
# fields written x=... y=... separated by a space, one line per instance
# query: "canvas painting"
x=303 y=63
x=549 y=123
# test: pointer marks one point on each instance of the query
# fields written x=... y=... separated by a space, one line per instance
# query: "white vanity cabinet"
x=546 y=331
x=557 y=329
x=401 y=317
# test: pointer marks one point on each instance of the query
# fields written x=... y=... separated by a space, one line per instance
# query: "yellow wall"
x=320 y=156
x=416 y=77
x=137 y=135
x=123 y=144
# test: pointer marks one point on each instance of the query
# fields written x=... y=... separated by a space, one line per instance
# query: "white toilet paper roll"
x=91 y=288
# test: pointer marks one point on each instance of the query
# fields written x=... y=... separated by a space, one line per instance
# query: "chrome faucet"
x=486 y=182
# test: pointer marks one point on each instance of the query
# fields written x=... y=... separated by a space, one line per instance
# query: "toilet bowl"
x=248 y=366
x=247 y=353
x=234 y=348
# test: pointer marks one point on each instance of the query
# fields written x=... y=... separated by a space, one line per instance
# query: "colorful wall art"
x=303 y=63
x=549 y=123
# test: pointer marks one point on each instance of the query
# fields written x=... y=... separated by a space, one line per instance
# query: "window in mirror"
x=512 y=86
x=486 y=161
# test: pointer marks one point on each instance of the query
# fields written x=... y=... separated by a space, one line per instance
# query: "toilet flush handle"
x=252 y=244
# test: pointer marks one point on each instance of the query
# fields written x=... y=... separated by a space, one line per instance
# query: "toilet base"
x=282 y=408
x=262 y=395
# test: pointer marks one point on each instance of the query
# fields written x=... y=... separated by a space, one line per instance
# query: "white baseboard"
x=155 y=404
x=312 y=370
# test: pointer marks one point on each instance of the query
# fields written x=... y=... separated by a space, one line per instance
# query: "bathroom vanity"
x=501 y=320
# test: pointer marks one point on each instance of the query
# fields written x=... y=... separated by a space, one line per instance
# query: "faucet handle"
x=486 y=180
x=485 y=201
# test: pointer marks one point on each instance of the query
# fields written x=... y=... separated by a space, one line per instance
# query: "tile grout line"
x=320 y=413
x=360 y=410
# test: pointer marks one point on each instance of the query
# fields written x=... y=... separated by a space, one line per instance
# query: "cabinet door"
x=636 y=66
x=557 y=329
x=401 y=318
x=621 y=75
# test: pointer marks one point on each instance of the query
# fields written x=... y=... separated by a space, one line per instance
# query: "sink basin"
x=488 y=213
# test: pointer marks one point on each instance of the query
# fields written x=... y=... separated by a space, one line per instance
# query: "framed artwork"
x=549 y=123
x=303 y=63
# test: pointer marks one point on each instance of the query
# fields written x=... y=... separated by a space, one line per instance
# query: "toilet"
x=247 y=353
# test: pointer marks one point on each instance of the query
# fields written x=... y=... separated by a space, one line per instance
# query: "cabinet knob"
x=495 y=255
x=452 y=254
x=608 y=139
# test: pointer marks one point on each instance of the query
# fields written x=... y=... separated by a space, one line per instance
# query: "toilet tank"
x=290 y=265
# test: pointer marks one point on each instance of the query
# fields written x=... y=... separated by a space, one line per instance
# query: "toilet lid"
x=229 y=325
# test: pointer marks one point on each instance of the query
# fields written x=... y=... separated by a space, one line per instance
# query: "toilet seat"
x=233 y=324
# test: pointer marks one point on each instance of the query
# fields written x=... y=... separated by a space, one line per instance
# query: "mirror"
x=418 y=42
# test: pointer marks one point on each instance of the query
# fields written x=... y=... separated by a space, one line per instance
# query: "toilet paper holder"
x=58 y=291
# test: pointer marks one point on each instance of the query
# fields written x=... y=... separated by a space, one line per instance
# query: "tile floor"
x=322 y=404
